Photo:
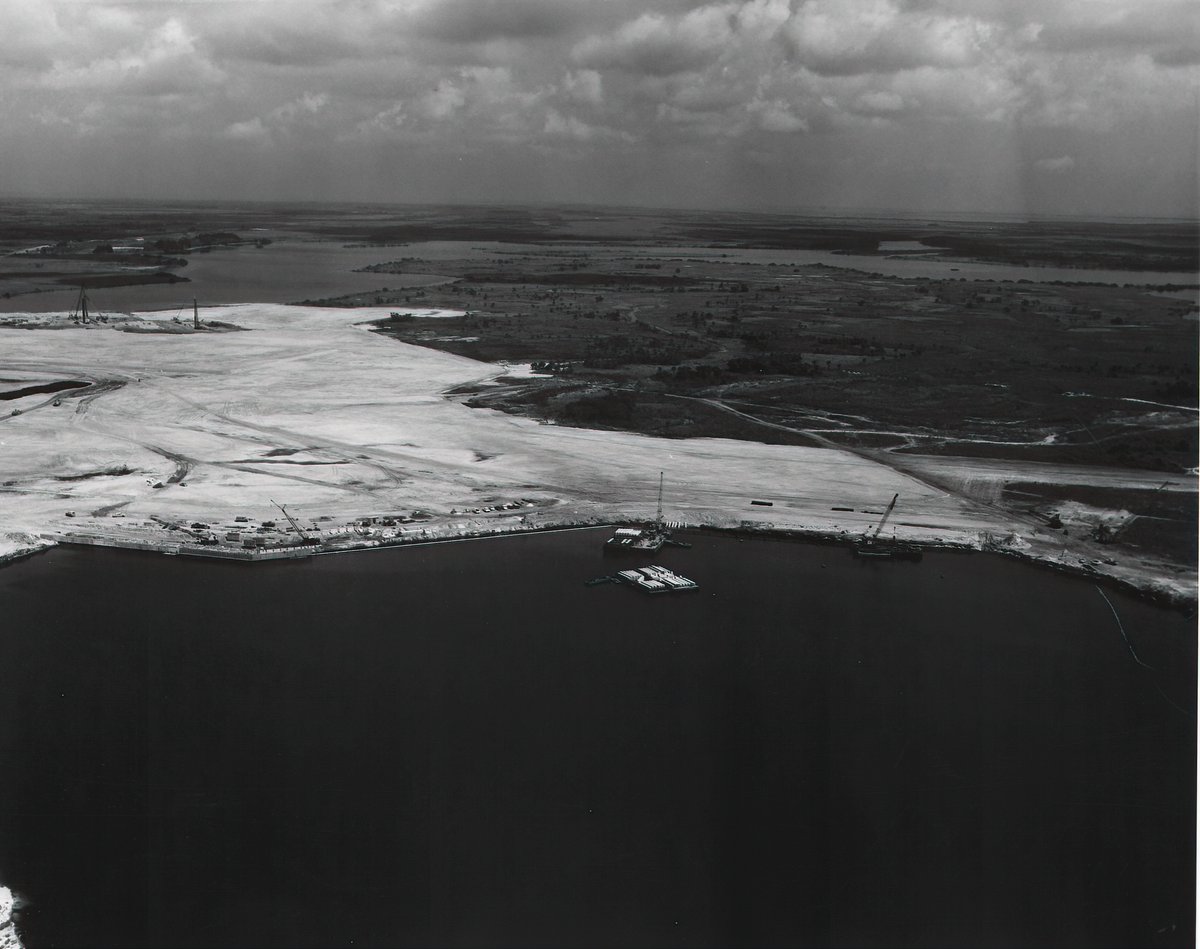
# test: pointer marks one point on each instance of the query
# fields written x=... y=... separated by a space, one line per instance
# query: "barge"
x=640 y=540
x=655 y=579
x=635 y=540
x=887 y=550
x=872 y=546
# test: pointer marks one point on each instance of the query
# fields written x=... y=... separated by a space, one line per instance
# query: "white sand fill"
x=312 y=409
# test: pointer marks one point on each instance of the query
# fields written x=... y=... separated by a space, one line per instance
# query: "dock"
x=215 y=552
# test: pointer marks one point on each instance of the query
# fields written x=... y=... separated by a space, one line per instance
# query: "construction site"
x=299 y=430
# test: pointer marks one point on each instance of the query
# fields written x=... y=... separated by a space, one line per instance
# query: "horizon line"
x=797 y=210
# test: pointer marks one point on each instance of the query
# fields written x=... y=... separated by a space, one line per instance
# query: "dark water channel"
x=285 y=272
x=47 y=388
x=462 y=744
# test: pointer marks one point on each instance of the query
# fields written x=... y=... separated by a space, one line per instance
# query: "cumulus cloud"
x=1055 y=166
x=652 y=44
x=568 y=126
x=776 y=116
x=681 y=79
x=444 y=101
x=583 y=85
x=248 y=130
x=845 y=37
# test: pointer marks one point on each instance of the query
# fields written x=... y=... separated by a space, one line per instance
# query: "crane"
x=873 y=535
x=292 y=521
x=81 y=305
x=869 y=545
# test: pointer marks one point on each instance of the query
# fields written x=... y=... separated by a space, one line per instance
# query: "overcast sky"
x=1056 y=106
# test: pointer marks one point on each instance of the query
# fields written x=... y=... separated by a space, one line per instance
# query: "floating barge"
x=873 y=547
x=635 y=540
x=640 y=540
x=887 y=550
x=655 y=579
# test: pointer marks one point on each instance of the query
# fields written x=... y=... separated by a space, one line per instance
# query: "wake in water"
x=1121 y=627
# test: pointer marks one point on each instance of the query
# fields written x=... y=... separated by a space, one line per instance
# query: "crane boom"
x=81 y=305
x=886 y=515
x=291 y=520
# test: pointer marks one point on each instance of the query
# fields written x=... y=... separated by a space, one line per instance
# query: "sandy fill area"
x=310 y=408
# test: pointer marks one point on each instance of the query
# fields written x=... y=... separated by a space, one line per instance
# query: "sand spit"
x=356 y=435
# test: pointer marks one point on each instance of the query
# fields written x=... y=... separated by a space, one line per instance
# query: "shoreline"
x=1159 y=595
x=365 y=439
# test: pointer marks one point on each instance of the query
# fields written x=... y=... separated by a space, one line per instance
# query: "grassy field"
x=1074 y=373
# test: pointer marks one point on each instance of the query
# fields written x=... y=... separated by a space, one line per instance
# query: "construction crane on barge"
x=871 y=545
x=872 y=536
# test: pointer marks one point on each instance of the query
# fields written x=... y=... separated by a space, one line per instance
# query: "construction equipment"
x=176 y=525
x=1107 y=534
x=81 y=306
x=871 y=545
x=872 y=535
x=291 y=520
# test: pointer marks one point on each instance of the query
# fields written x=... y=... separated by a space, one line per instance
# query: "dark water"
x=284 y=272
x=293 y=271
x=463 y=745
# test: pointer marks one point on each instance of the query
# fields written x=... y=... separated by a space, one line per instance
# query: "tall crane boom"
x=886 y=515
x=299 y=530
x=81 y=305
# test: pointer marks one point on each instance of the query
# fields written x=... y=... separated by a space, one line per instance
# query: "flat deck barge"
x=655 y=579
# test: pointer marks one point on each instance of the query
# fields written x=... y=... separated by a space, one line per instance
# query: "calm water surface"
x=291 y=271
x=283 y=272
x=463 y=745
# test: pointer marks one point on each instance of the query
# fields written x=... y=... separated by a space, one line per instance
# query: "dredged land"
x=822 y=390
x=309 y=408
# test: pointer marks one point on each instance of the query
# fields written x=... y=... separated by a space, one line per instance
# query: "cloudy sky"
x=1056 y=106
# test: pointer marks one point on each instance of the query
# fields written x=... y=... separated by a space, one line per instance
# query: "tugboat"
x=640 y=540
x=870 y=546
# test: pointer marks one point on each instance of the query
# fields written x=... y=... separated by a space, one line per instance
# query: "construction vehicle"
x=304 y=538
x=199 y=532
x=870 y=544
